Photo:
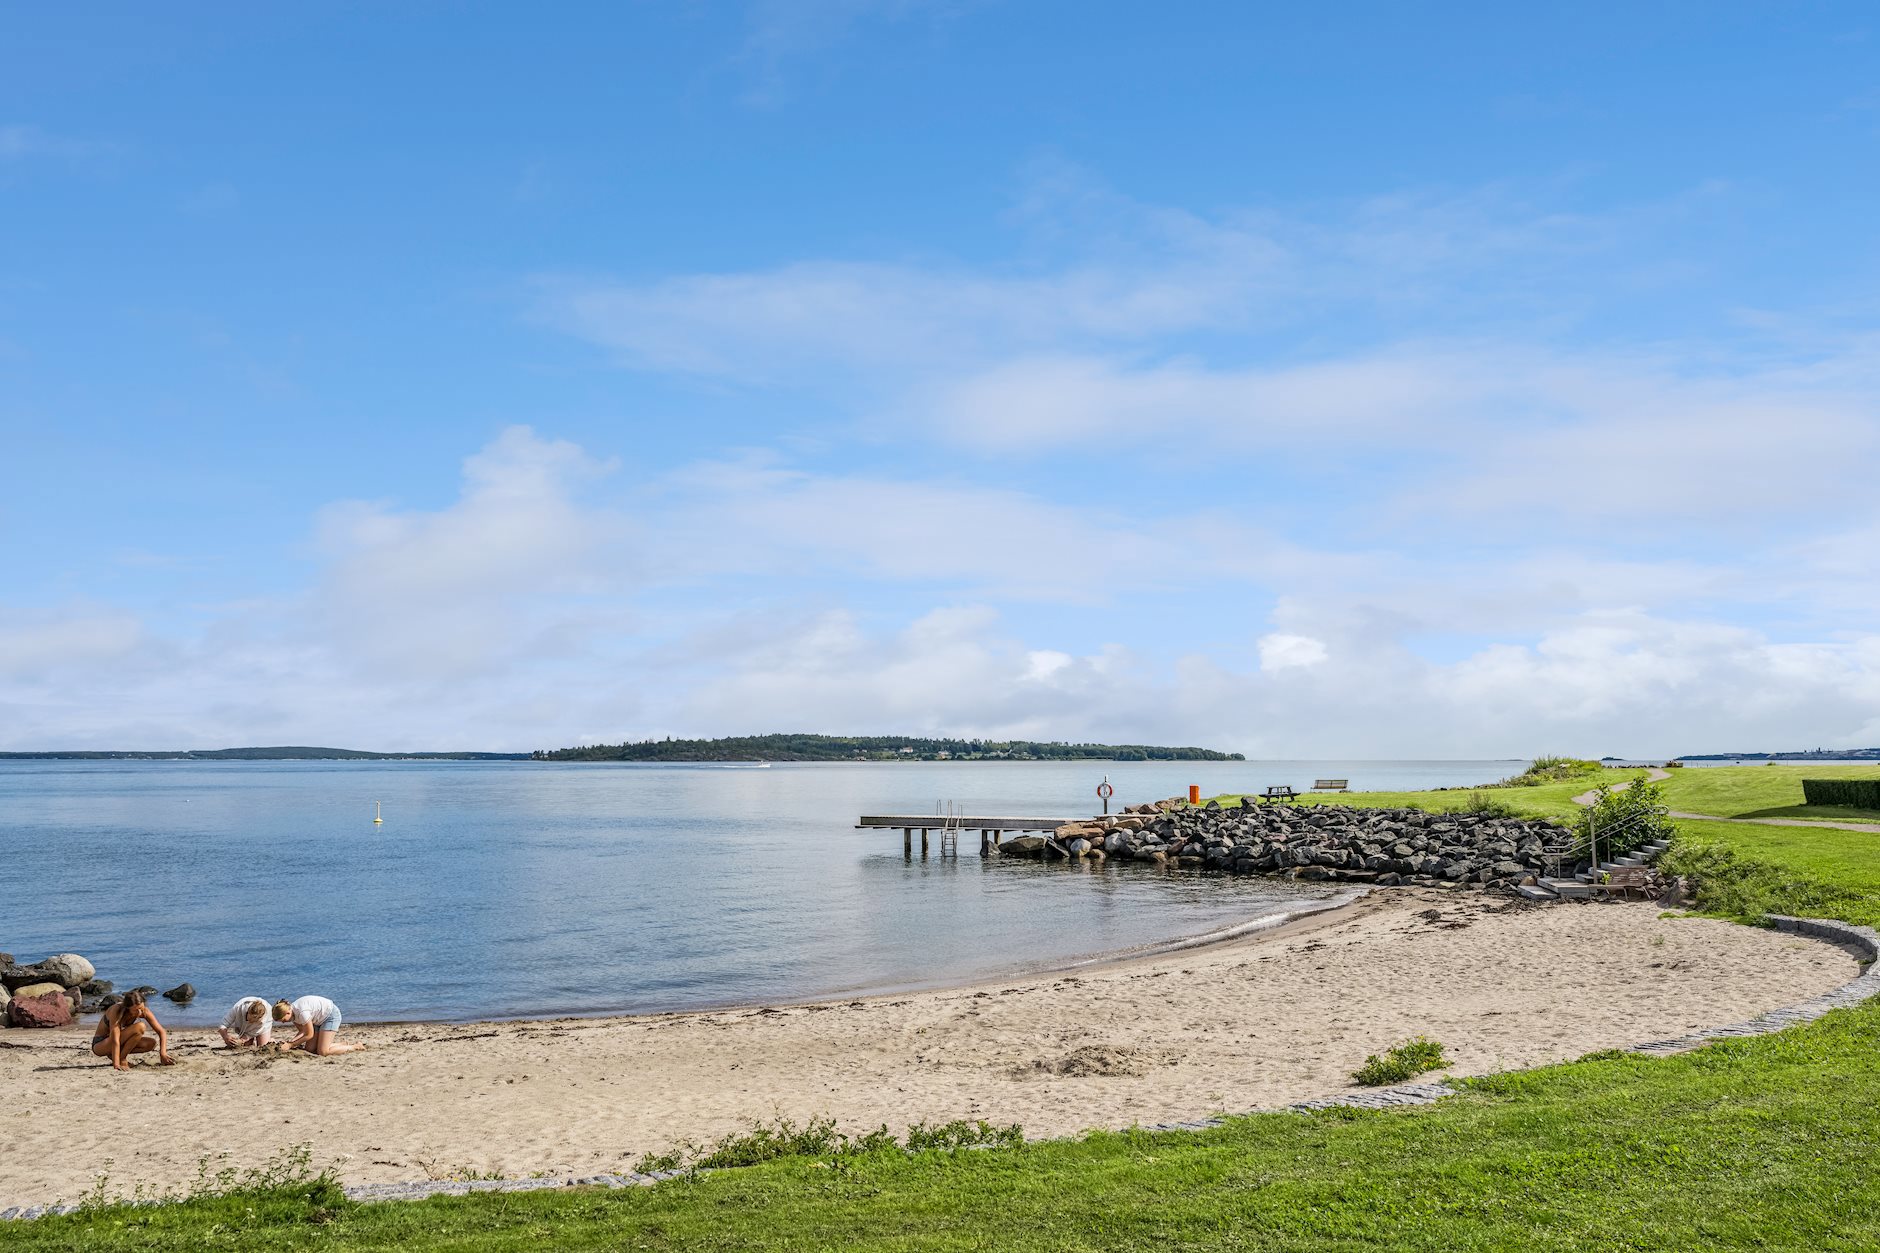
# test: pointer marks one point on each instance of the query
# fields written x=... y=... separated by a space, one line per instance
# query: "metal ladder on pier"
x=950 y=830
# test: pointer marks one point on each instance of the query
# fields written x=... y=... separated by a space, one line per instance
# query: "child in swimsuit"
x=121 y=1033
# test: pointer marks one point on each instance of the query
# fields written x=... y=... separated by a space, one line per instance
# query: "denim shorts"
x=331 y=1023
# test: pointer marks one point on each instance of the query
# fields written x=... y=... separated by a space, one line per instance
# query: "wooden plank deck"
x=990 y=829
x=934 y=822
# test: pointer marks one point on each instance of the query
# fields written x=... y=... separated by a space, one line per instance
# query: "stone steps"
x=1581 y=885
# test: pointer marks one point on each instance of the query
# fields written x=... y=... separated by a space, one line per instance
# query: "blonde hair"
x=282 y=1011
x=257 y=1009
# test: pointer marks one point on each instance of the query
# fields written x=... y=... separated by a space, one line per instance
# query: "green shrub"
x=1626 y=819
x=1484 y=805
x=1400 y=1062
x=1848 y=793
x=961 y=1134
x=289 y=1174
x=1741 y=887
x=1551 y=768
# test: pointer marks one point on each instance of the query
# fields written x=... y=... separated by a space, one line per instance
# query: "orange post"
x=1194 y=793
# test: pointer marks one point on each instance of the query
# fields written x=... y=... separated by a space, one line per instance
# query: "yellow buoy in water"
x=378 y=816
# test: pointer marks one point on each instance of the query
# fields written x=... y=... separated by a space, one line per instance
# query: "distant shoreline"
x=808 y=746
x=253 y=754
x=1851 y=755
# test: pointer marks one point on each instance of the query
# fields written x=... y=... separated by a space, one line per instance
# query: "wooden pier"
x=990 y=829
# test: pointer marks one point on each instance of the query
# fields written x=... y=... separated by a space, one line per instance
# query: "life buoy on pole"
x=1105 y=791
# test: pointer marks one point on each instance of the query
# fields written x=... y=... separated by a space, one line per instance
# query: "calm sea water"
x=516 y=888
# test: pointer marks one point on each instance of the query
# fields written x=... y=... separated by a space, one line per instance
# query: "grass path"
x=1656 y=775
x=1763 y=792
x=1587 y=798
x=1871 y=827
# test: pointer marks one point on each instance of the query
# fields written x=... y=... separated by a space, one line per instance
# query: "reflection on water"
x=528 y=887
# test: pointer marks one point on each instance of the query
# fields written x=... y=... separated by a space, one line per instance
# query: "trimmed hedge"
x=1850 y=793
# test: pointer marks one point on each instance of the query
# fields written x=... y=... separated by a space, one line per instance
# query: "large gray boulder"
x=68 y=970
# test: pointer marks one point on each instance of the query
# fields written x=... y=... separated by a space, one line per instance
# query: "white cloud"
x=461 y=591
x=1422 y=343
x=1596 y=676
x=801 y=319
x=557 y=599
x=1279 y=651
x=1135 y=275
x=749 y=518
x=1629 y=684
x=1043 y=403
x=48 y=642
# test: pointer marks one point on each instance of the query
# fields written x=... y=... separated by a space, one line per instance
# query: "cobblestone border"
x=1864 y=940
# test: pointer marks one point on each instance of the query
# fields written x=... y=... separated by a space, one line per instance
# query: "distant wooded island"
x=875 y=748
x=288 y=753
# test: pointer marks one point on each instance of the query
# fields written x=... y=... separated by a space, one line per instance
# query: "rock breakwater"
x=1385 y=847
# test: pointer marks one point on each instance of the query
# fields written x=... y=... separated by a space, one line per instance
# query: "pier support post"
x=995 y=838
x=907 y=841
x=985 y=843
x=923 y=841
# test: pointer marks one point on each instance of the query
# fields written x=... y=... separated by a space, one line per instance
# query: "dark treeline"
x=875 y=748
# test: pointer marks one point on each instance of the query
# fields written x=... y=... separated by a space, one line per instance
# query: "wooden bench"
x=1330 y=785
x=1278 y=792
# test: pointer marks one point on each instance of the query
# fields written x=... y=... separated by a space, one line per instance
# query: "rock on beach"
x=69 y=977
x=68 y=970
x=40 y=1008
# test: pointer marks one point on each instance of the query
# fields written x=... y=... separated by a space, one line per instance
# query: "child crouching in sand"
x=247 y=1023
x=121 y=1033
x=316 y=1021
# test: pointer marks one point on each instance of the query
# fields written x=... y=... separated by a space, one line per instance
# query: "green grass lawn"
x=1751 y=870
x=1764 y=1143
x=1722 y=791
x=1545 y=800
x=1761 y=792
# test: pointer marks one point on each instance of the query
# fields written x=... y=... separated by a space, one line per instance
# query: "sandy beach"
x=1248 y=1024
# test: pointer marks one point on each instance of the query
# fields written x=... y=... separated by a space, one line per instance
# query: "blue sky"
x=1336 y=380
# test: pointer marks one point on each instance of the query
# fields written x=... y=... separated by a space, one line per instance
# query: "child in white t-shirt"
x=247 y=1024
x=316 y=1023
